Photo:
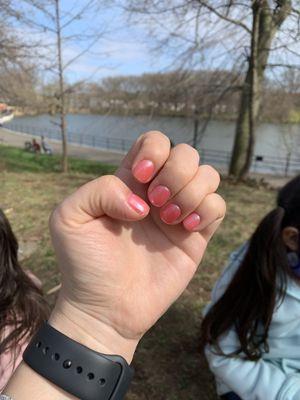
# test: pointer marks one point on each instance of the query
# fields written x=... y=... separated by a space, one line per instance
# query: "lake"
x=273 y=141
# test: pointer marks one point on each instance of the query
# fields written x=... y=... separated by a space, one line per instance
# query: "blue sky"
x=124 y=48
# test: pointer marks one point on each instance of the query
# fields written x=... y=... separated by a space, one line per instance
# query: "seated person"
x=22 y=306
x=45 y=146
x=36 y=148
x=252 y=327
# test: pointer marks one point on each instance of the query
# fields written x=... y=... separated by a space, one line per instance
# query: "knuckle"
x=157 y=143
x=158 y=153
x=181 y=170
x=109 y=182
x=213 y=174
x=153 y=134
x=192 y=153
x=219 y=204
x=184 y=162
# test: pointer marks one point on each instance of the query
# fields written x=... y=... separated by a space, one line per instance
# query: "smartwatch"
x=78 y=370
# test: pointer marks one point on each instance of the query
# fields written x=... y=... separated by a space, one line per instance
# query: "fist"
x=127 y=245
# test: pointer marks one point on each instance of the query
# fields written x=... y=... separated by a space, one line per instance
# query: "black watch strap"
x=77 y=369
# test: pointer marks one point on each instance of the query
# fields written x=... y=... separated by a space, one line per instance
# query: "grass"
x=294 y=117
x=168 y=363
x=20 y=161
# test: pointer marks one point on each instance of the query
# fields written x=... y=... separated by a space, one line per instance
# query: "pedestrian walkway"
x=17 y=139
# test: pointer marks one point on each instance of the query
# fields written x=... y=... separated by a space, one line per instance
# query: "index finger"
x=147 y=156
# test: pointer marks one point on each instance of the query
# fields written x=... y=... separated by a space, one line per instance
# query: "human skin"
x=124 y=261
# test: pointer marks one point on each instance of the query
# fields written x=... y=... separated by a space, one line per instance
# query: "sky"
x=126 y=47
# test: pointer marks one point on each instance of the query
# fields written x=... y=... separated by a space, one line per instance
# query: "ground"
x=168 y=363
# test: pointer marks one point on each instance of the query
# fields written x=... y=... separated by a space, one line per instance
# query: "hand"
x=124 y=263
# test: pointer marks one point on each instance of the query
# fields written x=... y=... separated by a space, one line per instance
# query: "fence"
x=265 y=164
x=107 y=143
x=261 y=164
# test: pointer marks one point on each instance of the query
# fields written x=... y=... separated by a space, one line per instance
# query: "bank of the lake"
x=272 y=139
x=293 y=118
x=277 y=147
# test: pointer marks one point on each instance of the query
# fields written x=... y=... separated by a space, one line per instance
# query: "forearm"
x=26 y=384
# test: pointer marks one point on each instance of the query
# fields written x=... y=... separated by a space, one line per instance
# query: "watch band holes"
x=55 y=356
x=38 y=344
x=79 y=370
x=102 y=381
x=90 y=376
x=45 y=350
x=67 y=364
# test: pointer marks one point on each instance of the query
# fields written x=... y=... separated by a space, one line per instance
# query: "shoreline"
x=16 y=139
x=221 y=118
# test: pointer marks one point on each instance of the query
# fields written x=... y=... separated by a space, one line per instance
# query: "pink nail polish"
x=143 y=171
x=138 y=204
x=191 y=222
x=159 y=195
x=170 y=213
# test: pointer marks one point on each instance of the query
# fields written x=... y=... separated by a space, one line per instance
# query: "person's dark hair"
x=22 y=306
x=259 y=284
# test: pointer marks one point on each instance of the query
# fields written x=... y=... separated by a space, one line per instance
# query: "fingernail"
x=143 y=171
x=170 y=213
x=159 y=195
x=191 y=222
x=139 y=205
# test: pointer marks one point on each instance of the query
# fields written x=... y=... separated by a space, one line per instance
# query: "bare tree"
x=265 y=25
x=61 y=88
x=56 y=29
x=18 y=74
x=177 y=93
x=247 y=36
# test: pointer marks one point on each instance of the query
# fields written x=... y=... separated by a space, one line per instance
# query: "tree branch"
x=279 y=65
x=224 y=17
x=282 y=10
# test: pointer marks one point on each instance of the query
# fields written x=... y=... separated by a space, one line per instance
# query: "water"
x=273 y=141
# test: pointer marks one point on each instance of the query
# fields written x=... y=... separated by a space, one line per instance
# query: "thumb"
x=107 y=195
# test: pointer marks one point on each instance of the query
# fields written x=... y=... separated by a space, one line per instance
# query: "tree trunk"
x=62 y=111
x=196 y=130
x=242 y=133
x=254 y=90
x=265 y=25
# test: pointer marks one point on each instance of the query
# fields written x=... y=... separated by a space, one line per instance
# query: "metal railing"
x=261 y=164
x=265 y=164
x=83 y=139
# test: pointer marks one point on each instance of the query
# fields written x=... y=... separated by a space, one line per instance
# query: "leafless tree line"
x=180 y=93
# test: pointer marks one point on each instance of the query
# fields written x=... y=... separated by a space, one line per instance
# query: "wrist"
x=90 y=332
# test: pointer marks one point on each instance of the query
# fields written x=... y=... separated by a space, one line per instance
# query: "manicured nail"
x=191 y=222
x=159 y=195
x=170 y=213
x=138 y=204
x=143 y=171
